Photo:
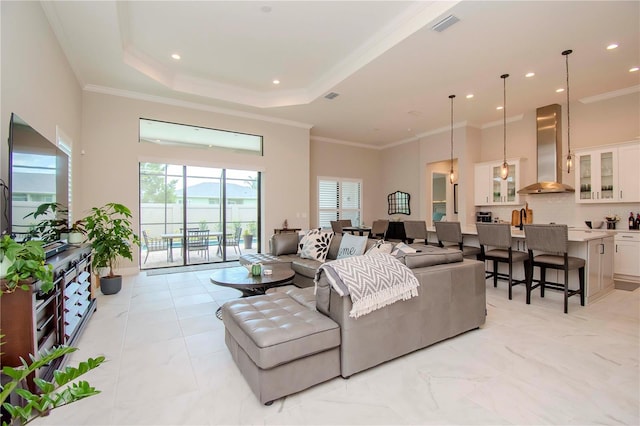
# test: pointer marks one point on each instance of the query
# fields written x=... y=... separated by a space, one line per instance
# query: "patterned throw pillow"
x=380 y=247
x=310 y=233
x=351 y=245
x=316 y=245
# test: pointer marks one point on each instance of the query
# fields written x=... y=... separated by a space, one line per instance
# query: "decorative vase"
x=256 y=269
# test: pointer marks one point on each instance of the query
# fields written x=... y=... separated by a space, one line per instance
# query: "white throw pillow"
x=380 y=247
x=402 y=248
x=351 y=245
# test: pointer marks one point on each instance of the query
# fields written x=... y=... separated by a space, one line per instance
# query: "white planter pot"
x=75 y=238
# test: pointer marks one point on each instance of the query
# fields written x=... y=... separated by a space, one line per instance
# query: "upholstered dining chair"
x=551 y=242
x=415 y=230
x=337 y=225
x=451 y=233
x=379 y=228
x=495 y=246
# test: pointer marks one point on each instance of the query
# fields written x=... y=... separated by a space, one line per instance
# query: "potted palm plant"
x=111 y=235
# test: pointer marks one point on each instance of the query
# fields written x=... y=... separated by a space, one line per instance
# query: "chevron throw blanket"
x=372 y=281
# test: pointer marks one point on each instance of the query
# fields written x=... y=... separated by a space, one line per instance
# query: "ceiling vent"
x=331 y=95
x=445 y=23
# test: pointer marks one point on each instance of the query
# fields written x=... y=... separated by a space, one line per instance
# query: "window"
x=163 y=133
x=339 y=199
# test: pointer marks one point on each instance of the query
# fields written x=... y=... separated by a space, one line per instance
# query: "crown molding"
x=610 y=95
x=192 y=105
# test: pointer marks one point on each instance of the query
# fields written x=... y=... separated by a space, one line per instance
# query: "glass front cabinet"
x=491 y=190
x=608 y=174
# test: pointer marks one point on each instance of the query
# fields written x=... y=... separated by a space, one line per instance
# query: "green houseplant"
x=111 y=235
x=53 y=222
x=51 y=394
x=22 y=264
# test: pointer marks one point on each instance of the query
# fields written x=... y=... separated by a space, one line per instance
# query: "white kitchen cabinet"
x=491 y=190
x=482 y=186
x=596 y=175
x=629 y=173
x=607 y=175
x=627 y=254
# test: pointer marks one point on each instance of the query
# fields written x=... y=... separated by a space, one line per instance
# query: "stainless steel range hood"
x=549 y=152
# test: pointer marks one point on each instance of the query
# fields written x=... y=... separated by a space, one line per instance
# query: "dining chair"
x=198 y=241
x=379 y=229
x=552 y=244
x=154 y=244
x=337 y=225
x=451 y=233
x=415 y=230
x=495 y=246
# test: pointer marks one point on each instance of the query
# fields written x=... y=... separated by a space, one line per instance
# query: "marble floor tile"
x=167 y=364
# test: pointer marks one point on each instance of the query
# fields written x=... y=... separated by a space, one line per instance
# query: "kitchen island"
x=596 y=247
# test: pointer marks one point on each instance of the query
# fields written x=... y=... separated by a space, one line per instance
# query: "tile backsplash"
x=562 y=208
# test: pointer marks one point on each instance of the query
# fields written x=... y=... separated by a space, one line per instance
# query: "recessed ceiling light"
x=500 y=108
x=470 y=95
x=276 y=81
x=175 y=56
x=634 y=69
x=530 y=74
x=612 y=46
x=560 y=90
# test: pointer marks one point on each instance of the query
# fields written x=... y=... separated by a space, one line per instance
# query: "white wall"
x=346 y=161
x=111 y=153
x=37 y=81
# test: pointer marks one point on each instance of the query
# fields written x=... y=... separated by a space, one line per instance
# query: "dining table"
x=170 y=237
x=356 y=230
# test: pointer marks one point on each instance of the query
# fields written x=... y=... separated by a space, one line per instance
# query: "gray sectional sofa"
x=283 y=248
x=286 y=342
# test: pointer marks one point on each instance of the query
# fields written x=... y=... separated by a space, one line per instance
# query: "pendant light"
x=452 y=176
x=504 y=170
x=566 y=54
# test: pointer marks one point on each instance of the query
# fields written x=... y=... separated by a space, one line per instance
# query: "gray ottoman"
x=264 y=258
x=280 y=346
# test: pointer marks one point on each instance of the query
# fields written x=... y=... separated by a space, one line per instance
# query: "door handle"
x=601 y=248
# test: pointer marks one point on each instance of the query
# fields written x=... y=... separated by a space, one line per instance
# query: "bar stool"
x=415 y=230
x=450 y=232
x=495 y=246
x=553 y=242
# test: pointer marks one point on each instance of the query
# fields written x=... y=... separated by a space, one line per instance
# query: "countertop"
x=575 y=234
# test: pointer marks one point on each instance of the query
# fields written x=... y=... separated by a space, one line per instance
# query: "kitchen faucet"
x=523 y=217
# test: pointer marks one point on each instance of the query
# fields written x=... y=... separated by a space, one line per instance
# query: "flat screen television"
x=38 y=173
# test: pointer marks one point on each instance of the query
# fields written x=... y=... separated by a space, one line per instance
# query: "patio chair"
x=154 y=244
x=233 y=240
x=198 y=241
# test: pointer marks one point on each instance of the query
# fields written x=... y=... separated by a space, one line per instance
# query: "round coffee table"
x=249 y=285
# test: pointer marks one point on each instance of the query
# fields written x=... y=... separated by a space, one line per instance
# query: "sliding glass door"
x=192 y=215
